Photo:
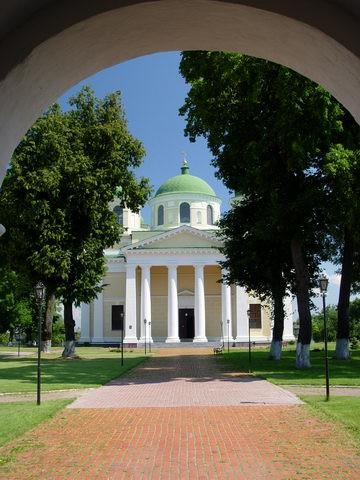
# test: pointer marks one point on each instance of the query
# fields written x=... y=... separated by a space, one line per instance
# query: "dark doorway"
x=186 y=323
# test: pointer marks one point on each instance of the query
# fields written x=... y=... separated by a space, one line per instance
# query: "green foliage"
x=269 y=130
x=331 y=323
x=58 y=331
x=354 y=319
x=16 y=310
x=55 y=197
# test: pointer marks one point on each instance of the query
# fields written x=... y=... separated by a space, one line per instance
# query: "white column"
x=199 y=305
x=288 y=334
x=130 y=305
x=226 y=313
x=242 y=319
x=173 y=309
x=145 y=304
x=98 y=336
x=85 y=323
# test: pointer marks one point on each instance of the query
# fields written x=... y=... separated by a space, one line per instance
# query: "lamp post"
x=248 y=314
x=145 y=322
x=228 y=334
x=323 y=284
x=40 y=297
x=222 y=333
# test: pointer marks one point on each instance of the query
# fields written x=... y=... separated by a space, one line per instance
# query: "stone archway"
x=48 y=46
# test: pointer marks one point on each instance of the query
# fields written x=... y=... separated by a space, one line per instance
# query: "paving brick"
x=183 y=442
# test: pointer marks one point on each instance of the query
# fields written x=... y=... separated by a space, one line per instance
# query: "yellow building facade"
x=163 y=281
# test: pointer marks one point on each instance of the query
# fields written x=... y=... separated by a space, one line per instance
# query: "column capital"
x=199 y=266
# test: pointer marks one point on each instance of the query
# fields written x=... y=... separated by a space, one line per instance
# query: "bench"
x=218 y=350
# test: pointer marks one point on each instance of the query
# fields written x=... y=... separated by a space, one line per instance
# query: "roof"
x=185 y=183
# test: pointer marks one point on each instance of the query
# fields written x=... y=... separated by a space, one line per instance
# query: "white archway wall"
x=127 y=32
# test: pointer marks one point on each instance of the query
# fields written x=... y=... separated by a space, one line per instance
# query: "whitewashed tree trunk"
x=69 y=349
x=302 y=355
x=275 y=350
x=46 y=346
x=342 y=349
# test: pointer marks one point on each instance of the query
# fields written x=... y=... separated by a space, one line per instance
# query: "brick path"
x=183 y=442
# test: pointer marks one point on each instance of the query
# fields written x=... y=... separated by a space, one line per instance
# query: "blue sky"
x=152 y=92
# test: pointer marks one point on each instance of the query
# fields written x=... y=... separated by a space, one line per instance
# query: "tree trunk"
x=47 y=325
x=303 y=302
x=278 y=330
x=69 y=323
x=343 y=328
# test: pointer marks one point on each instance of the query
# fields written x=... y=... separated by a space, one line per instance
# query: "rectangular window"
x=117 y=317
x=255 y=315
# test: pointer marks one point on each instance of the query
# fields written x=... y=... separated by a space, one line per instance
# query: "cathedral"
x=163 y=280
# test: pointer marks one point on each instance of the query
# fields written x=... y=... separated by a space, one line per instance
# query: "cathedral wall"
x=159 y=316
x=213 y=316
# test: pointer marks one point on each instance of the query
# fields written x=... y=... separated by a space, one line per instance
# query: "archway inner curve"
x=133 y=30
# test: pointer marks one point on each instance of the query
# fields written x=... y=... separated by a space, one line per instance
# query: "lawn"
x=344 y=410
x=283 y=372
x=95 y=367
x=17 y=418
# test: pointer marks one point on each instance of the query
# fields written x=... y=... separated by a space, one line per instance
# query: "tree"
x=16 y=310
x=267 y=127
x=256 y=259
x=342 y=170
x=55 y=199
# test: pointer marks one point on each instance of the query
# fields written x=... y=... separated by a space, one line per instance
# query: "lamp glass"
x=40 y=291
x=323 y=283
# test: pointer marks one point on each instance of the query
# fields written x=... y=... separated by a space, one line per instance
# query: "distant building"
x=168 y=274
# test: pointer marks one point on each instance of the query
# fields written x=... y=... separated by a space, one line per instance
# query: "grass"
x=283 y=372
x=343 y=410
x=95 y=367
x=17 y=418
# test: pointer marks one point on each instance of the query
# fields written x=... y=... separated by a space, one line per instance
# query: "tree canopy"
x=55 y=197
x=269 y=130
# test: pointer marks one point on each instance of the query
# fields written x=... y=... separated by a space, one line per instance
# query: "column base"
x=97 y=340
x=84 y=340
x=131 y=340
x=172 y=340
x=148 y=340
x=200 y=340
x=242 y=339
x=225 y=339
x=289 y=338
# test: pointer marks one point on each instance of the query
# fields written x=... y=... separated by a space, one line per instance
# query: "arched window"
x=119 y=212
x=184 y=213
x=210 y=215
x=160 y=215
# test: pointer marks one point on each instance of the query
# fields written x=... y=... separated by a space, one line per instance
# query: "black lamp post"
x=145 y=322
x=40 y=297
x=323 y=284
x=222 y=333
x=248 y=314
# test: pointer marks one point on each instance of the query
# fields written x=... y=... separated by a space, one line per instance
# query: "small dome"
x=185 y=183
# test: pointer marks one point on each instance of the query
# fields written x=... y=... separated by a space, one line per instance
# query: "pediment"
x=178 y=238
x=185 y=293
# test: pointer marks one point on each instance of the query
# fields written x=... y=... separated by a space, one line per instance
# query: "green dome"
x=185 y=183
